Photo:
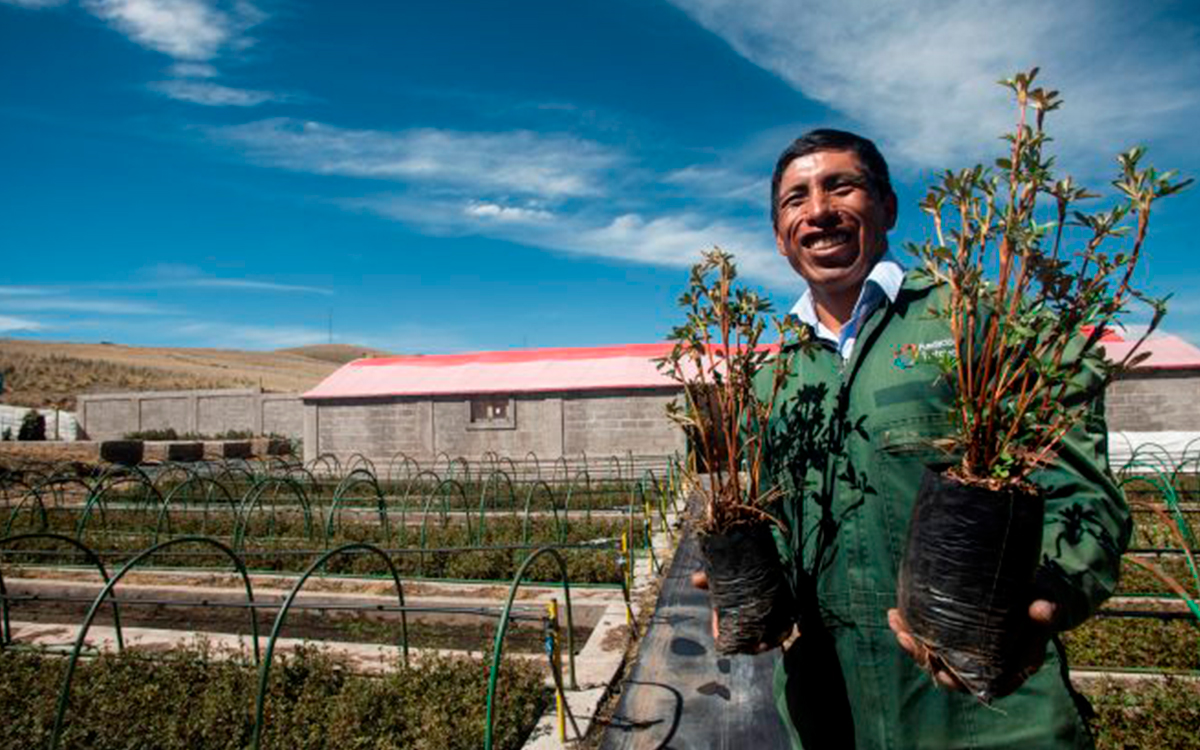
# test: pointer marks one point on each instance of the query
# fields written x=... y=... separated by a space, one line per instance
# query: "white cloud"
x=195 y=30
x=497 y=212
x=10 y=323
x=262 y=286
x=213 y=94
x=720 y=183
x=193 y=70
x=158 y=277
x=920 y=75
x=23 y=291
x=94 y=306
x=182 y=276
x=520 y=162
x=673 y=240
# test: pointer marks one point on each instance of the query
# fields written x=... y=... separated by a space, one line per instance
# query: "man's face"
x=832 y=224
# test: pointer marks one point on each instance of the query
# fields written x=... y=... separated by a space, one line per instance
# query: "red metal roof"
x=591 y=368
x=1167 y=352
x=521 y=371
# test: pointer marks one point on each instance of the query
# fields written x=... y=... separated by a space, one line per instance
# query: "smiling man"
x=852 y=432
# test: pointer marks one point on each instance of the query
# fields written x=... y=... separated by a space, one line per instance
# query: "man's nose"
x=820 y=208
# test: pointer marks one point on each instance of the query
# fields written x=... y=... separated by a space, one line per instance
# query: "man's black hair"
x=828 y=139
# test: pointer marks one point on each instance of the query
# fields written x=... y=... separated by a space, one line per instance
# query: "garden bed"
x=424 y=631
x=439 y=551
x=190 y=698
x=1137 y=580
x=1146 y=714
x=1129 y=642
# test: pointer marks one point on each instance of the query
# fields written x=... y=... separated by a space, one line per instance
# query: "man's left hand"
x=1043 y=615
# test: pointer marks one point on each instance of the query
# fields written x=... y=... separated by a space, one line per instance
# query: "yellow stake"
x=556 y=665
x=628 y=577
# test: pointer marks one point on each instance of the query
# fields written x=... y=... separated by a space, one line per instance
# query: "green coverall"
x=848 y=442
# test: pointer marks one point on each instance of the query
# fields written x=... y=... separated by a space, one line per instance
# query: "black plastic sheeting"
x=680 y=693
x=966 y=579
x=749 y=591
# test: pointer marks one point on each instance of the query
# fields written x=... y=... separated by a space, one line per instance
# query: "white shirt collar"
x=887 y=275
x=883 y=281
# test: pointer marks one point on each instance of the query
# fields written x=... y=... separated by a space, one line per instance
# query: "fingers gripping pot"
x=966 y=579
x=747 y=587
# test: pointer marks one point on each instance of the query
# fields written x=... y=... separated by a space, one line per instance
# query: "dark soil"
x=314 y=625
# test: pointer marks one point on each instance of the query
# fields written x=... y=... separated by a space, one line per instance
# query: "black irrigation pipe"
x=594 y=544
x=479 y=611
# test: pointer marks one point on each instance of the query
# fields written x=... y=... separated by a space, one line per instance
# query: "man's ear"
x=889 y=206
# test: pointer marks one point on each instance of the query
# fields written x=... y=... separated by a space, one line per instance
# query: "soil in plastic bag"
x=966 y=579
x=747 y=588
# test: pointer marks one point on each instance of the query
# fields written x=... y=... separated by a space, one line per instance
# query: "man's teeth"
x=826 y=241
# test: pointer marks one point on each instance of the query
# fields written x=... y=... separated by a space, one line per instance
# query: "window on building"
x=491 y=412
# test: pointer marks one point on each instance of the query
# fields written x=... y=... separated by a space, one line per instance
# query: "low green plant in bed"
x=1123 y=642
x=191 y=699
x=1150 y=530
x=1138 y=580
x=1146 y=715
x=448 y=548
x=268 y=521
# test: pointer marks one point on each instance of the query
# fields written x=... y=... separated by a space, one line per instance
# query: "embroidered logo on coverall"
x=908 y=356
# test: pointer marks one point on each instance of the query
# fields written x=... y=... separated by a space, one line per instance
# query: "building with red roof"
x=552 y=402
x=609 y=400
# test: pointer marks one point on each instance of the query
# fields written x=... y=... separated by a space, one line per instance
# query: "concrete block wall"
x=613 y=422
x=536 y=425
x=549 y=424
x=282 y=414
x=1154 y=400
x=109 y=416
x=216 y=413
x=162 y=412
x=376 y=428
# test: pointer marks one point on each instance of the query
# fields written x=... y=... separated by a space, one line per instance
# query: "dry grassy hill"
x=337 y=353
x=50 y=374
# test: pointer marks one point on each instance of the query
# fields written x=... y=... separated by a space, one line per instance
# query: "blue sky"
x=447 y=175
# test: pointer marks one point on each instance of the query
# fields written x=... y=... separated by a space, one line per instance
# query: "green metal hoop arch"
x=264 y=674
x=359 y=461
x=440 y=492
x=65 y=692
x=209 y=487
x=484 y=485
x=352 y=481
x=413 y=483
x=546 y=490
x=6 y=630
x=254 y=496
x=502 y=629
x=587 y=487
x=100 y=497
x=35 y=495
